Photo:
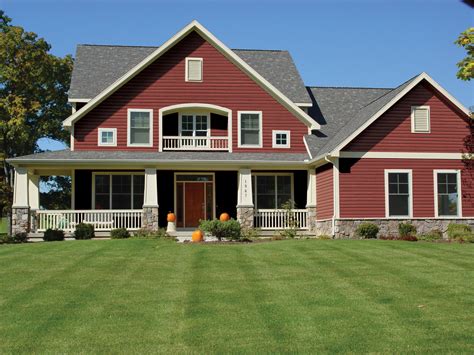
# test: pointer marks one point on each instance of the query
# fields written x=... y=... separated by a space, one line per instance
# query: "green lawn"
x=284 y=296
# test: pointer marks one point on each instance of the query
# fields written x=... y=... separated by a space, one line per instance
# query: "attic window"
x=193 y=69
x=420 y=119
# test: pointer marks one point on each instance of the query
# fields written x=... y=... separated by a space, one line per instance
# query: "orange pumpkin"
x=171 y=217
x=197 y=236
x=224 y=217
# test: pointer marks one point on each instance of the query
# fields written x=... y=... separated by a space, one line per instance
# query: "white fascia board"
x=78 y=100
x=196 y=26
x=419 y=78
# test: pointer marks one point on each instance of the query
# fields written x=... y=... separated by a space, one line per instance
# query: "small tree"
x=292 y=224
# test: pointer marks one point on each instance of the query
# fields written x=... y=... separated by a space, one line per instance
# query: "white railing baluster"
x=274 y=219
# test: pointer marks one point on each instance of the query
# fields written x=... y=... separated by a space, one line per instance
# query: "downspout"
x=333 y=219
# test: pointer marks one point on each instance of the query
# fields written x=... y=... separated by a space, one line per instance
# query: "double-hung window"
x=271 y=191
x=140 y=127
x=118 y=191
x=447 y=195
x=250 y=129
x=398 y=193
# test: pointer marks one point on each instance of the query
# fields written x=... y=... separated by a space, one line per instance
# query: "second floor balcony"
x=219 y=143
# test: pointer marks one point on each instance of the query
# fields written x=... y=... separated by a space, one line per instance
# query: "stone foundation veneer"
x=345 y=228
x=150 y=218
x=245 y=216
x=20 y=220
x=311 y=219
x=323 y=227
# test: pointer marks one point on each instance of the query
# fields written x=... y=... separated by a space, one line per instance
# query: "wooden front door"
x=194 y=204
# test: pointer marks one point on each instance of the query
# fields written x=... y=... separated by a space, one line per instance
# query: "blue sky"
x=334 y=43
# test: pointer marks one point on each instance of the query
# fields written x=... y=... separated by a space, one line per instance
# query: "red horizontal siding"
x=324 y=192
x=162 y=83
x=392 y=131
x=362 y=186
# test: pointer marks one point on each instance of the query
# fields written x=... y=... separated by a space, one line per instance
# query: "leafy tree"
x=33 y=96
x=466 y=66
x=57 y=194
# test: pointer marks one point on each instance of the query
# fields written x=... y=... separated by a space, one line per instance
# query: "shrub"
x=367 y=230
x=460 y=232
x=249 y=234
x=14 y=239
x=53 y=235
x=222 y=229
x=119 y=233
x=84 y=231
x=148 y=234
x=324 y=237
x=289 y=233
x=434 y=235
x=408 y=238
x=406 y=229
x=388 y=237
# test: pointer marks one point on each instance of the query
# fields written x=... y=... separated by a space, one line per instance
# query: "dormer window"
x=420 y=119
x=193 y=69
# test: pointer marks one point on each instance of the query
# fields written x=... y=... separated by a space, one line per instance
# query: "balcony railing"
x=195 y=143
x=102 y=220
x=274 y=219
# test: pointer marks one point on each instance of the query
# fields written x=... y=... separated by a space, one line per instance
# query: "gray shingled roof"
x=98 y=66
x=341 y=111
x=155 y=157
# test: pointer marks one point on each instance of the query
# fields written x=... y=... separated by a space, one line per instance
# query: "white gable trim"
x=419 y=78
x=195 y=26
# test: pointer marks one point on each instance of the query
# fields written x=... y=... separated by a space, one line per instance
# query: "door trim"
x=213 y=174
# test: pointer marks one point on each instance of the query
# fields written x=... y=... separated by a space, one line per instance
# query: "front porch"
x=135 y=199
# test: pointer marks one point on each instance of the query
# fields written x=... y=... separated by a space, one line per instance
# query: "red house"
x=199 y=129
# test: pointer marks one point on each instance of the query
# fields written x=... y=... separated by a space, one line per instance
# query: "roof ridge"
x=259 y=50
x=348 y=87
x=114 y=45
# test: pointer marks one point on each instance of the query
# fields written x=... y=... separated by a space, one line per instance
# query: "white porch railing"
x=102 y=220
x=195 y=143
x=270 y=219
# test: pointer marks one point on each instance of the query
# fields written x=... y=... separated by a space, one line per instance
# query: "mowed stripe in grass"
x=284 y=296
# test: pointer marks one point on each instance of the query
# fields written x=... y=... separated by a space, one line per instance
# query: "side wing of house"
x=408 y=164
x=222 y=103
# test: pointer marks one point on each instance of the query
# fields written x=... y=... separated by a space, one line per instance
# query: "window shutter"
x=194 y=70
x=421 y=119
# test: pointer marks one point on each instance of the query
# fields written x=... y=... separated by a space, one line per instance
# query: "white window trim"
x=260 y=115
x=129 y=111
x=180 y=120
x=413 y=108
x=274 y=142
x=109 y=173
x=114 y=134
x=458 y=181
x=254 y=192
x=186 y=78
x=410 y=191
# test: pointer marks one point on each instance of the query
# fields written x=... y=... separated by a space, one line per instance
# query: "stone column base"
x=245 y=216
x=20 y=220
x=150 y=218
x=311 y=219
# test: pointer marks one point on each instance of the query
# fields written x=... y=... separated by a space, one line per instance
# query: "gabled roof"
x=232 y=56
x=357 y=121
x=98 y=66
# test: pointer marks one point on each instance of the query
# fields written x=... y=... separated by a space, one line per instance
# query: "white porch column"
x=150 y=200
x=311 y=200
x=245 y=210
x=33 y=191
x=20 y=207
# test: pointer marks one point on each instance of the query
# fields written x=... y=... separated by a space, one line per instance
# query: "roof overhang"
x=221 y=47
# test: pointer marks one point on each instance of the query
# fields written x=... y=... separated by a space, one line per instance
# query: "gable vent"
x=193 y=69
x=420 y=117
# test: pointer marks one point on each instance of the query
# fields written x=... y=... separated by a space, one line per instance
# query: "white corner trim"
x=400 y=155
x=335 y=186
x=459 y=191
x=419 y=78
x=129 y=111
x=114 y=135
x=186 y=69
x=281 y=146
x=195 y=26
x=260 y=122
x=410 y=192
x=412 y=116
x=71 y=138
